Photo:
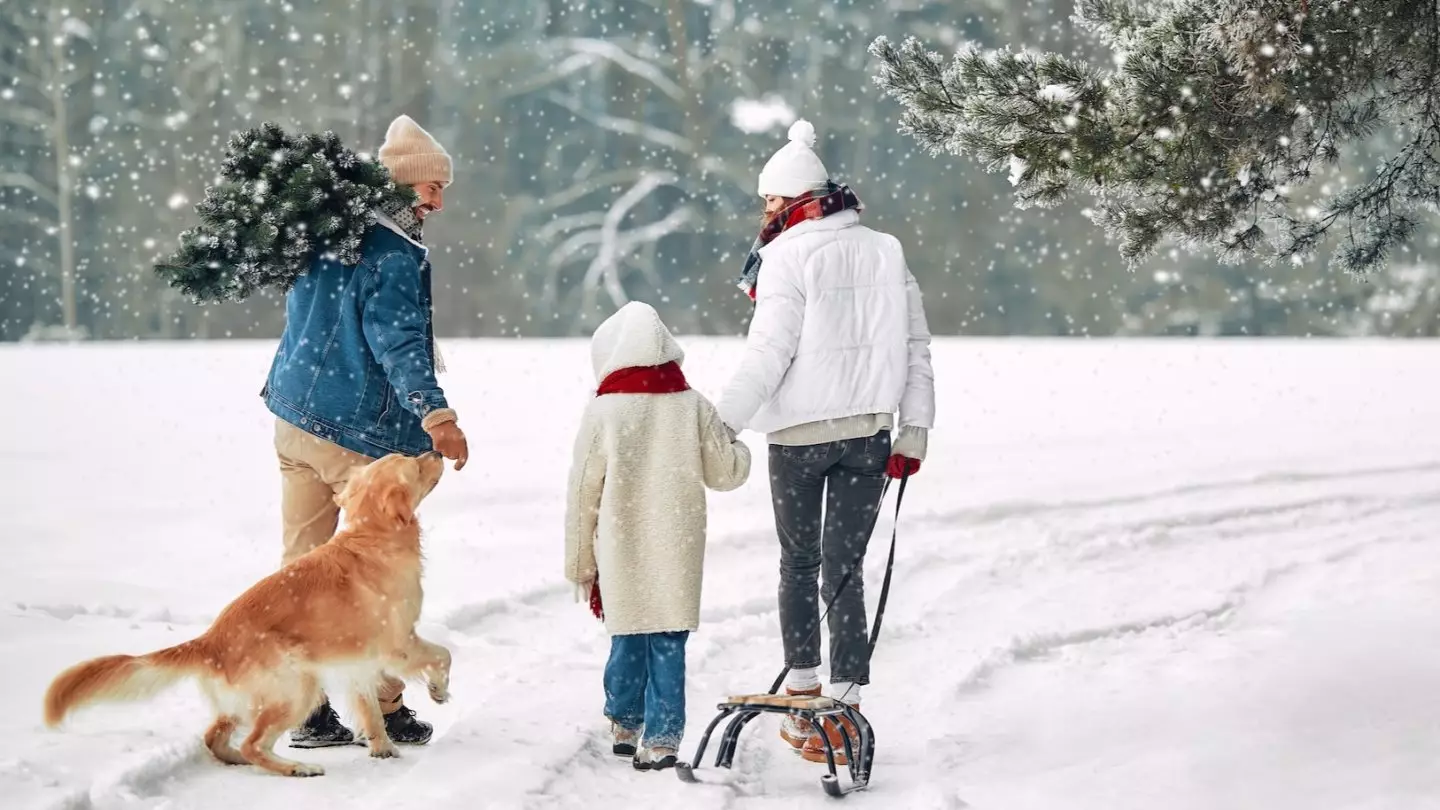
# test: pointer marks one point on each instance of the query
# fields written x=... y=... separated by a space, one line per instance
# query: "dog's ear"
x=393 y=502
x=389 y=496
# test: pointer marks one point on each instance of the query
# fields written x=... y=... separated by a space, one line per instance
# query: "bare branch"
x=15 y=77
x=24 y=181
x=614 y=53
x=603 y=269
x=559 y=225
x=14 y=217
x=31 y=24
x=587 y=186
x=39 y=264
x=571 y=64
x=625 y=126
x=19 y=114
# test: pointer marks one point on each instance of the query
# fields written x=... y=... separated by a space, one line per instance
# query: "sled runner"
x=741 y=709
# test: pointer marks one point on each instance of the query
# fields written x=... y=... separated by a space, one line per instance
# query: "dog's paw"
x=307 y=769
x=384 y=752
x=439 y=694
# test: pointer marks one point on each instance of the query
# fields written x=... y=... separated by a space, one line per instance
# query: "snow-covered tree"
x=36 y=84
x=1218 y=125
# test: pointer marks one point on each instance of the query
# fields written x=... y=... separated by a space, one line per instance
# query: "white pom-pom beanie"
x=413 y=156
x=795 y=169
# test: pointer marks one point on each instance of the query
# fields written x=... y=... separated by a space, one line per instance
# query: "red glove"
x=900 y=465
x=595 y=606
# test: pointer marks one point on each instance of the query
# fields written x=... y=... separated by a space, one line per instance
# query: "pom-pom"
x=803 y=132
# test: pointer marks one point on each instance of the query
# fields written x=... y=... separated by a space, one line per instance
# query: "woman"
x=837 y=346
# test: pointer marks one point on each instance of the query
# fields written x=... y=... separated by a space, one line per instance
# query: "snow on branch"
x=614 y=245
x=626 y=126
x=41 y=191
x=613 y=52
x=1215 y=119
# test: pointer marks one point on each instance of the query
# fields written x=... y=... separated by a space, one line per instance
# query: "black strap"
x=889 y=564
x=859 y=563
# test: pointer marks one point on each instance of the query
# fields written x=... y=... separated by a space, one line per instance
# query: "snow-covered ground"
x=1132 y=575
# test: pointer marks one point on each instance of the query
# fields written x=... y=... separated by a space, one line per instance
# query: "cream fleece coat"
x=635 y=511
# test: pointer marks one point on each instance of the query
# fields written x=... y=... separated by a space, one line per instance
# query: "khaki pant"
x=312 y=473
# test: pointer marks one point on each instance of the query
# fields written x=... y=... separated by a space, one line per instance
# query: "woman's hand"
x=900 y=466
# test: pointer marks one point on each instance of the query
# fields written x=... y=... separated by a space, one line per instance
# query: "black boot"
x=404 y=729
x=322 y=729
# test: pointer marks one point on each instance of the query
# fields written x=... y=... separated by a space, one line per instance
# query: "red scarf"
x=810 y=205
x=666 y=378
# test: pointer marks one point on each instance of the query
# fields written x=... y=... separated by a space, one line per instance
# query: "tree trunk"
x=63 y=185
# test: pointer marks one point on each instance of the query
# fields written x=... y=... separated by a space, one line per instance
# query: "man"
x=354 y=379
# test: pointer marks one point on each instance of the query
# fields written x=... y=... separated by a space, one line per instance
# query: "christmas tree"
x=281 y=200
x=1217 y=117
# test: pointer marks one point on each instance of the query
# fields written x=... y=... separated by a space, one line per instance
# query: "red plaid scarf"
x=810 y=205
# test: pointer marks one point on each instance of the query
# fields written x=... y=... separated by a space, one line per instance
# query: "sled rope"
x=845 y=580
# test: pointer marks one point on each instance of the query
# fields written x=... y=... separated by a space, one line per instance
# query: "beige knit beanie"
x=412 y=156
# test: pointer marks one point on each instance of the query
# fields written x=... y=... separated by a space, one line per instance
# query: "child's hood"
x=633 y=336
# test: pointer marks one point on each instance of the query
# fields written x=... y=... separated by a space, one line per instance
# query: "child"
x=647 y=448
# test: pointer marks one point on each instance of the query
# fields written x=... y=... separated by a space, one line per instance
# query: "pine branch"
x=282 y=201
x=1217 y=115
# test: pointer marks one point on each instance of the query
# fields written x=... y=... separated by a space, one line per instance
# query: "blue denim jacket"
x=355 y=365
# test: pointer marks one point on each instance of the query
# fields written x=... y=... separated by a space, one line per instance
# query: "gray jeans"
x=845 y=479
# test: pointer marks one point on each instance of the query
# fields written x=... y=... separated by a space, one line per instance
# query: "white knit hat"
x=795 y=169
x=413 y=157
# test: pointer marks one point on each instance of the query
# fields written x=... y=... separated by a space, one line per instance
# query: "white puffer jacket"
x=839 y=330
x=635 y=511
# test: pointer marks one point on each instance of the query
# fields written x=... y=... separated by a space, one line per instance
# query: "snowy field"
x=1132 y=575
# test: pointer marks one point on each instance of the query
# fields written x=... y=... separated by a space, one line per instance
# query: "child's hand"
x=582 y=590
x=595 y=606
x=589 y=591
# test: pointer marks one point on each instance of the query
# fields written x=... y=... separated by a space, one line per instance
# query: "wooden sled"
x=741 y=709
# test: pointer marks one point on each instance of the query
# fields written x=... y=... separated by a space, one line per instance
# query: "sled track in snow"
x=1003 y=511
x=1039 y=645
x=472 y=616
x=931 y=548
x=1089 y=543
x=975 y=549
x=136 y=777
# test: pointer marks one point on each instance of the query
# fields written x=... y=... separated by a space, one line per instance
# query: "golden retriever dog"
x=346 y=609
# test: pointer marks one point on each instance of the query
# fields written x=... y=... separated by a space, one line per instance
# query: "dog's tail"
x=123 y=677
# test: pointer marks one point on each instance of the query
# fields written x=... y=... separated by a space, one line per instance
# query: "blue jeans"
x=645 y=686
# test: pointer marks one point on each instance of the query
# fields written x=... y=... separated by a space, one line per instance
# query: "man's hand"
x=449 y=441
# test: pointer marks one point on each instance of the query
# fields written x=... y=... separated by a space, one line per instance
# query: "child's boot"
x=795 y=730
x=625 y=739
x=655 y=759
